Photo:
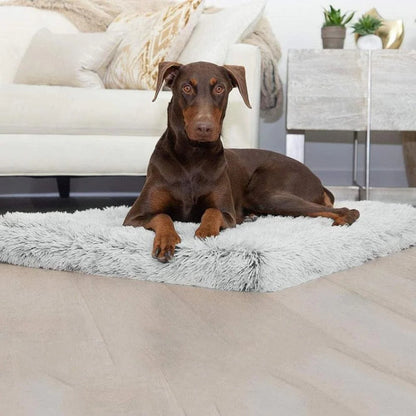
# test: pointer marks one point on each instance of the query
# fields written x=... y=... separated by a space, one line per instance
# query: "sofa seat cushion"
x=84 y=155
x=31 y=109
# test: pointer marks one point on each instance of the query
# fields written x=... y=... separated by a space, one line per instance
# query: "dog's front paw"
x=205 y=231
x=164 y=246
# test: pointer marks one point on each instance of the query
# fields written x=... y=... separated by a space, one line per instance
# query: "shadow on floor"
x=54 y=203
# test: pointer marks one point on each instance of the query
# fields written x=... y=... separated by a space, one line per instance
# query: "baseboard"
x=345 y=193
x=350 y=193
x=378 y=178
x=96 y=195
x=353 y=193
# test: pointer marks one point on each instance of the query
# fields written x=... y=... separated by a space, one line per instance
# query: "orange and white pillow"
x=149 y=39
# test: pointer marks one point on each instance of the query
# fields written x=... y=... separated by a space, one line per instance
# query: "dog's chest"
x=192 y=196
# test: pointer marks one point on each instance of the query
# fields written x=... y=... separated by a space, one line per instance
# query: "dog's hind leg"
x=294 y=191
x=328 y=198
x=281 y=203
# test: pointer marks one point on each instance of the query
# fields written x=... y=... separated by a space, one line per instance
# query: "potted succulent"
x=333 y=29
x=365 y=30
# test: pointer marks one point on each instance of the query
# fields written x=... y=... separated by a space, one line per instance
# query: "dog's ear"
x=167 y=72
x=238 y=78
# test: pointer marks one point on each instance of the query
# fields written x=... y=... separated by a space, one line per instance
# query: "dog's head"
x=200 y=93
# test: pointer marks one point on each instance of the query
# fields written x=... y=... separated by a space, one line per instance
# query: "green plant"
x=333 y=17
x=366 y=25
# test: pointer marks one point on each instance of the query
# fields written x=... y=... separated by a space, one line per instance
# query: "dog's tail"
x=328 y=197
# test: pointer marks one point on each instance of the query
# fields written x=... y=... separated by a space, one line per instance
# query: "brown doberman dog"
x=192 y=178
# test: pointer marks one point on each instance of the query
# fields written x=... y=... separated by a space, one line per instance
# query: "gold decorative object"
x=391 y=32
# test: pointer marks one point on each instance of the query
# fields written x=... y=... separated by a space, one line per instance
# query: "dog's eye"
x=219 y=89
x=187 y=89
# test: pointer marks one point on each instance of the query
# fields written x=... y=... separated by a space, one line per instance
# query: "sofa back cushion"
x=72 y=59
x=17 y=27
x=216 y=32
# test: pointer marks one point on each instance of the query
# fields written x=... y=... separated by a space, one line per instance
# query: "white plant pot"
x=369 y=42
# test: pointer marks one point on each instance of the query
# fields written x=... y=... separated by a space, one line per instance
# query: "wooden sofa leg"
x=63 y=186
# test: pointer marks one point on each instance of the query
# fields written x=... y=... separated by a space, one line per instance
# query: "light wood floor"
x=72 y=344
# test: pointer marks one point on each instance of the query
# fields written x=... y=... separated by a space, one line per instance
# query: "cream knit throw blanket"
x=271 y=85
x=96 y=15
x=90 y=15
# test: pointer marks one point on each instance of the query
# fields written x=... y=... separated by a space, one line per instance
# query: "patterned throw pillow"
x=149 y=39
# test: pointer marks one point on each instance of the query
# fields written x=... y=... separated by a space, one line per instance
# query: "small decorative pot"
x=333 y=37
x=369 y=42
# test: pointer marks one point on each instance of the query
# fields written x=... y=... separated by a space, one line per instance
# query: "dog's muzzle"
x=203 y=131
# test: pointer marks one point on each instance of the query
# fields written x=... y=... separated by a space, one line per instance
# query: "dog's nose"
x=204 y=127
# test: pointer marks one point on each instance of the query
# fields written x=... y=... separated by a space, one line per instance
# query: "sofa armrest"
x=241 y=124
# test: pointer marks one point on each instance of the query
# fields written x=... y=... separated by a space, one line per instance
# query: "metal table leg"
x=368 y=135
x=355 y=161
x=366 y=188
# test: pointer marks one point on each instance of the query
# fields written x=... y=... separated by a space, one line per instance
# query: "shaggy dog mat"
x=269 y=254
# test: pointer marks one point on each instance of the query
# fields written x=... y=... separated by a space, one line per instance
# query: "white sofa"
x=66 y=131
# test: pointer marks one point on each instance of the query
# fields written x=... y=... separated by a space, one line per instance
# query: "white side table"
x=350 y=90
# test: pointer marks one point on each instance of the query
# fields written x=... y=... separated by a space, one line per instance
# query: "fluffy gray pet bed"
x=267 y=255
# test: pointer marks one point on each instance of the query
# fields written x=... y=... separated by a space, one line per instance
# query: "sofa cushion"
x=216 y=32
x=150 y=39
x=17 y=27
x=85 y=155
x=65 y=110
x=72 y=59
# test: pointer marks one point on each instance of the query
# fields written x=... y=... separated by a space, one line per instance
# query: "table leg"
x=355 y=160
x=367 y=164
x=368 y=135
x=295 y=146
